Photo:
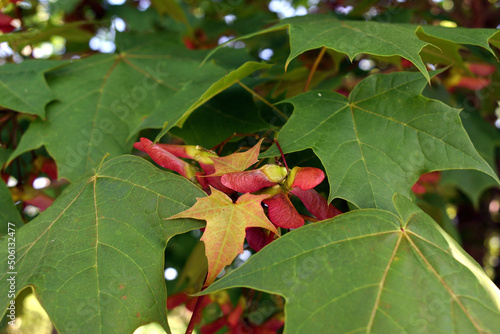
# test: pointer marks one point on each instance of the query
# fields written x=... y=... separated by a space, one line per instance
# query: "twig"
x=282 y=155
x=196 y=314
x=313 y=69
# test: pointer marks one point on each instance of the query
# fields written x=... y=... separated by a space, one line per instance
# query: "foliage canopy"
x=330 y=150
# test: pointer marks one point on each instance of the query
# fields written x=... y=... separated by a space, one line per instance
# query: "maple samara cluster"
x=227 y=178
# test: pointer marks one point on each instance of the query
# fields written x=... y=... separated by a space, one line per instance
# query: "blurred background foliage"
x=466 y=205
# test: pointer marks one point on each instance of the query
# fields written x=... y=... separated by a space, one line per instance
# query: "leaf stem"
x=282 y=155
x=313 y=69
x=266 y=102
x=196 y=314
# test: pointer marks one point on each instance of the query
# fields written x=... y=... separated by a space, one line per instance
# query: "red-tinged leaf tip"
x=247 y=182
x=316 y=204
x=167 y=160
x=236 y=162
x=305 y=177
x=226 y=223
x=282 y=213
x=258 y=238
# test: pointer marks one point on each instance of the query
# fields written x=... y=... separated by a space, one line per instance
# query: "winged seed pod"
x=254 y=180
x=165 y=159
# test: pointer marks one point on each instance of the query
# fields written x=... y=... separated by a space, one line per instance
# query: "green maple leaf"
x=486 y=139
x=226 y=223
x=225 y=82
x=445 y=43
x=380 y=39
x=465 y=36
x=95 y=258
x=380 y=140
x=215 y=121
x=23 y=86
x=371 y=271
x=105 y=100
x=350 y=37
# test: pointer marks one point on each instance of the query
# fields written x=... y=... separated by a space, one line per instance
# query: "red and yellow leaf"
x=236 y=162
x=226 y=224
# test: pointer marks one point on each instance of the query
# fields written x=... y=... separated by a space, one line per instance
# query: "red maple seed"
x=482 y=69
x=214 y=181
x=214 y=326
x=183 y=151
x=405 y=63
x=166 y=159
x=316 y=204
x=41 y=201
x=6 y=23
x=431 y=177
x=257 y=238
x=418 y=188
x=282 y=213
x=247 y=182
x=473 y=83
x=49 y=167
x=425 y=180
x=254 y=180
x=305 y=177
x=177 y=299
